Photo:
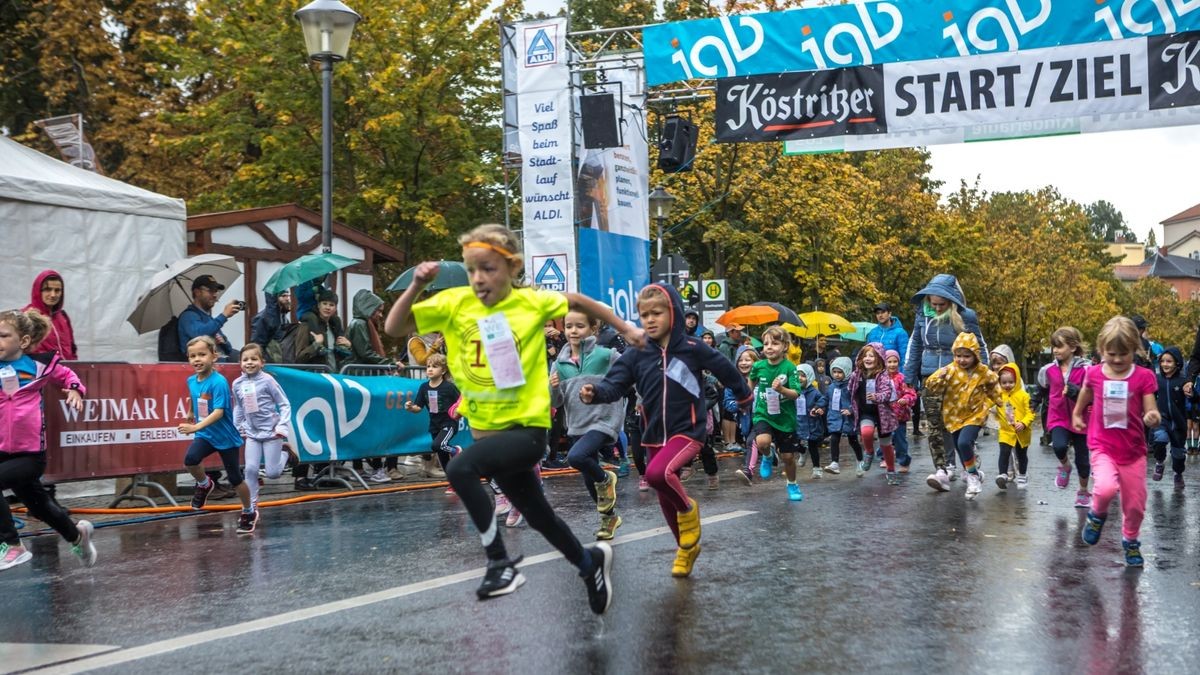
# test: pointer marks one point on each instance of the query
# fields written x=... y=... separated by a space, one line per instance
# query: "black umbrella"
x=785 y=315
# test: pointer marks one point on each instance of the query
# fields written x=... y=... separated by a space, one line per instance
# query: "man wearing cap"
x=1153 y=349
x=198 y=320
x=889 y=332
x=731 y=341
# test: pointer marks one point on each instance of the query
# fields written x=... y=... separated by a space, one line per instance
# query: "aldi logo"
x=550 y=272
x=540 y=49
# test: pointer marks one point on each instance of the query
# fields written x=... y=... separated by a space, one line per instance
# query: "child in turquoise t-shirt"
x=211 y=421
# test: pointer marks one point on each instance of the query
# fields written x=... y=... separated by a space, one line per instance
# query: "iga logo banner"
x=1174 y=64
x=801 y=105
x=550 y=271
x=540 y=50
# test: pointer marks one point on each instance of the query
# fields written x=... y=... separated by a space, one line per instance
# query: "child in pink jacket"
x=22 y=443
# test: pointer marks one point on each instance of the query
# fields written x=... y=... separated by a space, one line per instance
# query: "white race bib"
x=8 y=380
x=835 y=401
x=249 y=395
x=501 y=348
x=1116 y=404
x=772 y=402
x=801 y=406
x=870 y=388
x=431 y=396
x=201 y=409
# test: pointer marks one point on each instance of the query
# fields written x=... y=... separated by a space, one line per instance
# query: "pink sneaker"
x=1083 y=499
x=502 y=506
x=514 y=518
x=1063 y=479
x=643 y=485
x=11 y=556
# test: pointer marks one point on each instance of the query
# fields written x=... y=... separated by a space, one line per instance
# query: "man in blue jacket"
x=890 y=333
x=198 y=320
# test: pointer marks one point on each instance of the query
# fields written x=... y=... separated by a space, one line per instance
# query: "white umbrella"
x=171 y=289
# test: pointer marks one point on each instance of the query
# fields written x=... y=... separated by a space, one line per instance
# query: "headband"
x=498 y=249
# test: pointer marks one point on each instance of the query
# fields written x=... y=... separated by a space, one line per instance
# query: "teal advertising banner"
x=871 y=33
x=338 y=417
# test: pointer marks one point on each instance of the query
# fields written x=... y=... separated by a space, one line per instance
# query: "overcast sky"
x=1148 y=174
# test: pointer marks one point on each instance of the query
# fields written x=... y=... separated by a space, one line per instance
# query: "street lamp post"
x=661 y=203
x=327 y=26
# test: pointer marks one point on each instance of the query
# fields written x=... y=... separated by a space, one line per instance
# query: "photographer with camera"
x=198 y=320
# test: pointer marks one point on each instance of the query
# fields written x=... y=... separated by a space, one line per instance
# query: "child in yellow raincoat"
x=1016 y=418
x=966 y=385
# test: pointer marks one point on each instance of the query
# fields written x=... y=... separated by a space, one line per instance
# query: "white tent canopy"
x=105 y=238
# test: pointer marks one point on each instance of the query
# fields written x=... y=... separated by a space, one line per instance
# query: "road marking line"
x=21 y=656
x=294 y=616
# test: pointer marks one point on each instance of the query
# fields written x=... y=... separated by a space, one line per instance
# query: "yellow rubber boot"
x=689 y=526
x=685 y=558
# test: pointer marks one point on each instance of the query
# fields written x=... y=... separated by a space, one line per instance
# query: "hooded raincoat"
x=359 y=332
x=838 y=395
x=931 y=345
x=885 y=392
x=61 y=337
x=966 y=391
x=808 y=427
x=670 y=380
x=1017 y=407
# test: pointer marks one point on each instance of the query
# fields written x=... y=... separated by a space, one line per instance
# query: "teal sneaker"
x=1092 y=528
x=764 y=466
x=1133 y=552
x=866 y=463
x=623 y=468
x=794 y=493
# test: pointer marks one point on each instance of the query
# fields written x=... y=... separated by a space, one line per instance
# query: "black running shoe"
x=200 y=494
x=502 y=578
x=247 y=521
x=599 y=584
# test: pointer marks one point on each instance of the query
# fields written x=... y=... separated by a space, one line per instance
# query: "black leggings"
x=1006 y=451
x=835 y=442
x=1061 y=438
x=22 y=473
x=508 y=458
x=814 y=452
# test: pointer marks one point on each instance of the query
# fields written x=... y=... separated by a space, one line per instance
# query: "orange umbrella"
x=749 y=315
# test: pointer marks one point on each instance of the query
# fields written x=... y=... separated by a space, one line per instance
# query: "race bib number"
x=870 y=388
x=801 y=407
x=1116 y=404
x=8 y=380
x=772 y=402
x=433 y=402
x=835 y=401
x=202 y=409
x=249 y=395
x=501 y=349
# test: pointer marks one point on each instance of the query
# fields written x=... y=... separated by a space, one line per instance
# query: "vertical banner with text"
x=547 y=186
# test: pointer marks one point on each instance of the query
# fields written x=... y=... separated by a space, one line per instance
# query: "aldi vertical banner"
x=613 y=214
x=544 y=118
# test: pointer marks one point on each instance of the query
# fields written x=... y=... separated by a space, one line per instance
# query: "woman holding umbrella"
x=941 y=314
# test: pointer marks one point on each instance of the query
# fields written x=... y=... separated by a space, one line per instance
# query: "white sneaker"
x=939 y=480
x=379 y=476
x=816 y=472
x=1021 y=480
x=974 y=484
x=802 y=460
x=952 y=471
x=858 y=469
x=833 y=468
x=1002 y=481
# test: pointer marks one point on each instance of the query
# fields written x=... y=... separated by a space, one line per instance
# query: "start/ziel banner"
x=870 y=33
x=1143 y=82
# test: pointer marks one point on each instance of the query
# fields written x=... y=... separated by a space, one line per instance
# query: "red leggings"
x=662 y=473
x=867 y=431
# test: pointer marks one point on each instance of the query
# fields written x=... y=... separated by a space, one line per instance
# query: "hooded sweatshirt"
x=366 y=349
x=965 y=392
x=61 y=337
x=885 y=391
x=591 y=366
x=267 y=324
x=932 y=343
x=670 y=380
x=1005 y=351
x=808 y=427
x=1016 y=405
x=838 y=397
x=260 y=409
x=22 y=421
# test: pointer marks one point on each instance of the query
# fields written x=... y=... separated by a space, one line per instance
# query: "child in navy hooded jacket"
x=810 y=415
x=668 y=374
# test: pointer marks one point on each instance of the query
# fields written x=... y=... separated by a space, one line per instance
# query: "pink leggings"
x=1108 y=478
x=662 y=473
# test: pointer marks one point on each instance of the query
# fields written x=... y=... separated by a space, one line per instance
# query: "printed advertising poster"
x=544 y=117
x=619 y=267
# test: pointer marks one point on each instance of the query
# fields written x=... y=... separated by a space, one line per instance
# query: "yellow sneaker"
x=685 y=558
x=689 y=526
x=609 y=522
x=606 y=493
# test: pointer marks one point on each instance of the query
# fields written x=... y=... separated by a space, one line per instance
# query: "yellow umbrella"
x=822 y=323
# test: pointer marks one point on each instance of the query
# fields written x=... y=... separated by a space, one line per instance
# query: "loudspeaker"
x=677 y=146
x=599 y=121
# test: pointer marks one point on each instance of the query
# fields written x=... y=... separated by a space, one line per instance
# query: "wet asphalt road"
x=858 y=577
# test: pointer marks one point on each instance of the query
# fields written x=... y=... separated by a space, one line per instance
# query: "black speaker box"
x=599 y=121
x=677 y=146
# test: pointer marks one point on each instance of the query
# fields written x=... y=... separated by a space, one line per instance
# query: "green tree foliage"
x=1173 y=320
x=1107 y=223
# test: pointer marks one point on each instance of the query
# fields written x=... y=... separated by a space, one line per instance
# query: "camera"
x=240 y=304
